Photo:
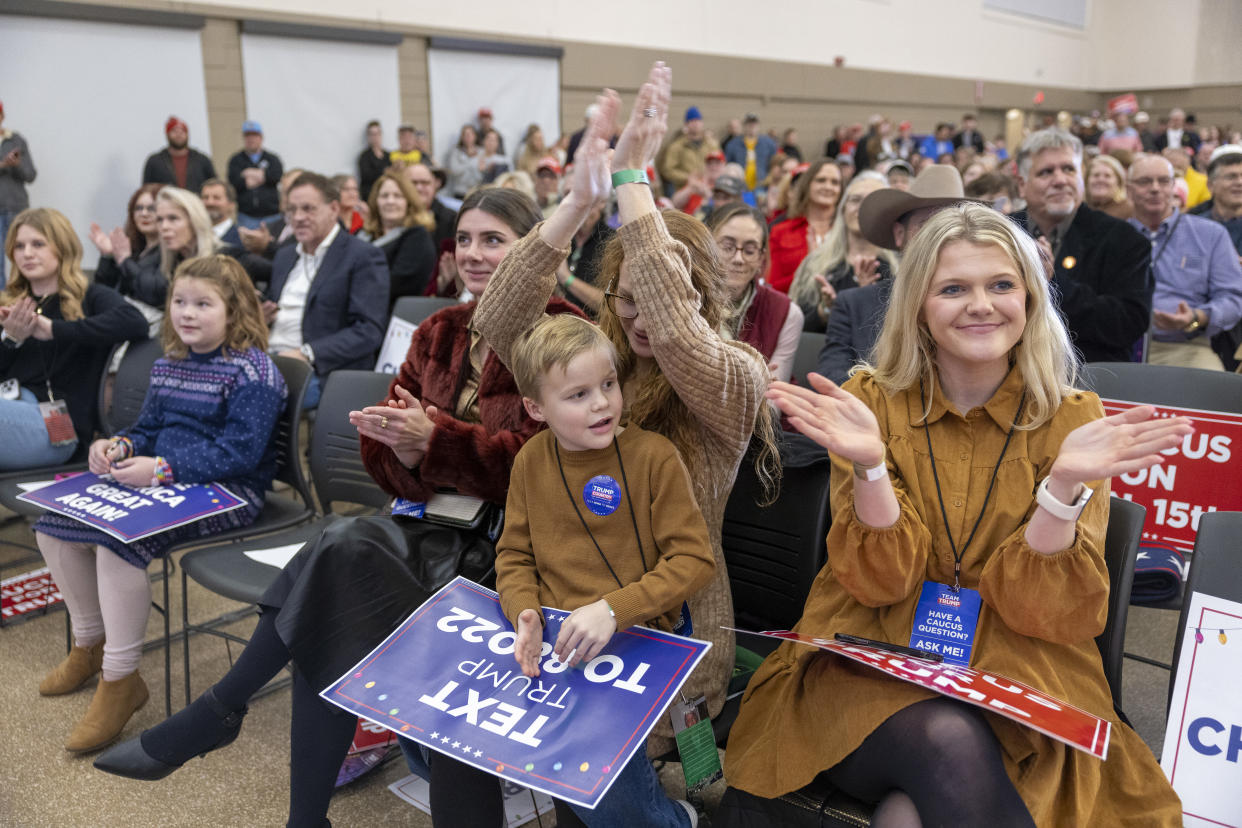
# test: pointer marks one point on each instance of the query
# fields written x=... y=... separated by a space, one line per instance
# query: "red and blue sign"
x=132 y=514
x=447 y=679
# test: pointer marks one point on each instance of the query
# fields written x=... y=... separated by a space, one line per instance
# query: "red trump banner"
x=991 y=691
x=1195 y=478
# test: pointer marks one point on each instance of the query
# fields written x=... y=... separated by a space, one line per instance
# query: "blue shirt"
x=1194 y=262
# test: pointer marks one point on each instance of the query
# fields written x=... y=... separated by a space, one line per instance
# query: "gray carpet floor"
x=247 y=784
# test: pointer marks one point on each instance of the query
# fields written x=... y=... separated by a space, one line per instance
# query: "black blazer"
x=159 y=170
x=1103 y=284
x=411 y=261
x=346 y=307
x=853 y=327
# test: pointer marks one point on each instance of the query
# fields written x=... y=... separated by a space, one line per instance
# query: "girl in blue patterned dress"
x=209 y=416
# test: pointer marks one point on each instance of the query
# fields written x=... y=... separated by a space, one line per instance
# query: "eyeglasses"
x=622 y=306
x=728 y=247
x=144 y=208
x=1145 y=182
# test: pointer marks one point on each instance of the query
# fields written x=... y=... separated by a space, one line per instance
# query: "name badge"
x=602 y=495
x=408 y=508
x=945 y=621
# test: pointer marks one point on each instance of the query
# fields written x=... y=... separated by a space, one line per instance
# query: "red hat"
x=548 y=163
x=485 y=112
x=174 y=122
x=1 y=107
x=715 y=156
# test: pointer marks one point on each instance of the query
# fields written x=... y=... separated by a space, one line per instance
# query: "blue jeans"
x=5 y=220
x=635 y=798
x=313 y=391
x=26 y=445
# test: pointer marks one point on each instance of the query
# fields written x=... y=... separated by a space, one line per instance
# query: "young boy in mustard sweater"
x=600 y=520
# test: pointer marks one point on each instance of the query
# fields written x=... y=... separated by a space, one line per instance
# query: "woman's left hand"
x=403 y=425
x=135 y=472
x=643 y=135
x=1120 y=444
x=19 y=321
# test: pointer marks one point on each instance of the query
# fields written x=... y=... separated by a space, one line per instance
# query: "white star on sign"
x=467 y=749
x=444 y=739
x=456 y=744
x=477 y=754
x=434 y=735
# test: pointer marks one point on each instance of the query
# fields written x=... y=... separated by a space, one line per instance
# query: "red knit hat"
x=173 y=122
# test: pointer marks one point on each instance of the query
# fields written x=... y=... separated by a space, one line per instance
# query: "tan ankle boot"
x=73 y=672
x=114 y=703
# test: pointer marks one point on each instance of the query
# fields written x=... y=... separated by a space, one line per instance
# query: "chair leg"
x=167 y=644
x=185 y=626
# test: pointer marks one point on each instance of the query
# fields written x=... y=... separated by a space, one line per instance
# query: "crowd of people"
x=641 y=293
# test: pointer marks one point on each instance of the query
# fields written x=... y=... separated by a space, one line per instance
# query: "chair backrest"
x=335 y=460
x=1121 y=546
x=297 y=376
x=1215 y=569
x=806 y=358
x=1165 y=385
x=129 y=390
x=417 y=308
x=774 y=552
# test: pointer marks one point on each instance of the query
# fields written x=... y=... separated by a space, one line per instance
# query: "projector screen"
x=519 y=89
x=314 y=98
x=91 y=100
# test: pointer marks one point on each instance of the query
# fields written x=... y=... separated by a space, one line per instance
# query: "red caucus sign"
x=1196 y=477
x=991 y=691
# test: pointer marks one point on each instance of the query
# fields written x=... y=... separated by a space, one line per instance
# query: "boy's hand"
x=529 y=642
x=586 y=630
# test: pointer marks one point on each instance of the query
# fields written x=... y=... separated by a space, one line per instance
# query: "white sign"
x=396 y=345
x=1203 y=738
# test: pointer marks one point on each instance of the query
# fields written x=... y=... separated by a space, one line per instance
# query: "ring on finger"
x=383 y=422
x=649 y=112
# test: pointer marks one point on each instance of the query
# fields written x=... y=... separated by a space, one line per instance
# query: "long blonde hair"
x=655 y=405
x=804 y=289
x=416 y=213
x=205 y=241
x=71 y=282
x=1044 y=355
x=246 y=328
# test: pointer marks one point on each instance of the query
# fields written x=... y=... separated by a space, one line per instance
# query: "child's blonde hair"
x=554 y=341
x=246 y=328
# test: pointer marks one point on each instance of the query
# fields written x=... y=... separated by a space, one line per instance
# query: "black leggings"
x=319 y=733
x=942 y=755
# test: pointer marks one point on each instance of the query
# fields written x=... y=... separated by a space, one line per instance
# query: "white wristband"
x=1054 y=507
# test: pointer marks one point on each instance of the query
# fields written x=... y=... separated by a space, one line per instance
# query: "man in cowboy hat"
x=1101 y=265
x=889 y=218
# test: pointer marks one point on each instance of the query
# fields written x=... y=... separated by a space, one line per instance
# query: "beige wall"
x=801 y=88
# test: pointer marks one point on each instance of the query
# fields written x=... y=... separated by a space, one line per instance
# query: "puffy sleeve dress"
x=805 y=710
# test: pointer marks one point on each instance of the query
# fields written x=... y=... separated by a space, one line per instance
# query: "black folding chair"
x=415 y=309
x=338 y=476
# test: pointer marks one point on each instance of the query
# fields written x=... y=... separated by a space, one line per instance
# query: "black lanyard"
x=957 y=555
x=633 y=520
x=1160 y=252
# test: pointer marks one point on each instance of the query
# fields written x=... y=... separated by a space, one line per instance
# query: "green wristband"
x=570 y=279
x=629 y=177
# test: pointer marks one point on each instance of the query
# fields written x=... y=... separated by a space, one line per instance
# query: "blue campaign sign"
x=447 y=679
x=132 y=514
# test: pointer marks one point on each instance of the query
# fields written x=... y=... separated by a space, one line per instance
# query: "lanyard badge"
x=945 y=620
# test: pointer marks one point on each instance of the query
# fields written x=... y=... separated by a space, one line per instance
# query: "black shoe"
x=131 y=759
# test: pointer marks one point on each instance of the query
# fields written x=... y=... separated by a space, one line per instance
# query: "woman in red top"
x=810 y=218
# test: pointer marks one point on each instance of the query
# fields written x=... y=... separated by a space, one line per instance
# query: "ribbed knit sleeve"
x=720 y=381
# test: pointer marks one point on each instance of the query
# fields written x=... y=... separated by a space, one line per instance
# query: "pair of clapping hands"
x=22 y=320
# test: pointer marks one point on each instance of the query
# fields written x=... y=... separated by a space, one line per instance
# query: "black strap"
x=957 y=555
x=629 y=500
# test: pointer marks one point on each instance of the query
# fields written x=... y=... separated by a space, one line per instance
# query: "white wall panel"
x=91 y=100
